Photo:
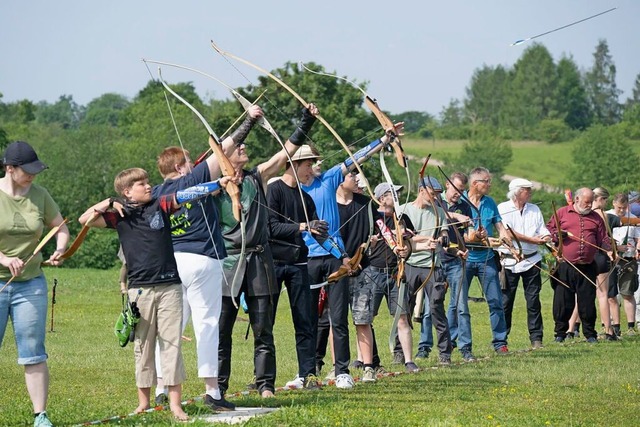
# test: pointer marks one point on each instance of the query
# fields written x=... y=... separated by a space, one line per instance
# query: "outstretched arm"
x=374 y=147
x=254 y=113
x=274 y=165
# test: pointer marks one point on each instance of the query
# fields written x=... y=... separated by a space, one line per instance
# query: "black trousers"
x=322 y=337
x=436 y=290
x=264 y=351
x=532 y=284
x=303 y=314
x=564 y=299
x=338 y=304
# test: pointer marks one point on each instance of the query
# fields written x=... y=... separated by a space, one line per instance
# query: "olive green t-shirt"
x=22 y=223
x=424 y=221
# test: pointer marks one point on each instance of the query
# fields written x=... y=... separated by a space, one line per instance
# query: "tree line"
x=85 y=146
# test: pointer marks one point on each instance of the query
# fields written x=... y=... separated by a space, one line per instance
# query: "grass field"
x=537 y=161
x=575 y=384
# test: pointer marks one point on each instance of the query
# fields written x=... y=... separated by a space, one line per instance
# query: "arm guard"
x=240 y=134
x=300 y=134
x=362 y=153
x=197 y=191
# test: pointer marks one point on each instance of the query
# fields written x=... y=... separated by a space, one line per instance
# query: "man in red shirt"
x=578 y=231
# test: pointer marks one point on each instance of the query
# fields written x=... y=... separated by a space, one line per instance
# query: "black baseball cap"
x=21 y=154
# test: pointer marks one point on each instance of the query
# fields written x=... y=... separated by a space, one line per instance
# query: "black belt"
x=476 y=249
x=373 y=267
x=258 y=249
x=531 y=255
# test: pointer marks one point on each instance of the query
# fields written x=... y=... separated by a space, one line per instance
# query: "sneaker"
x=411 y=367
x=398 y=359
x=311 y=383
x=467 y=356
x=357 y=364
x=444 y=359
x=423 y=354
x=616 y=330
x=42 y=420
x=502 y=350
x=561 y=339
x=571 y=335
x=252 y=385
x=369 y=375
x=537 y=344
x=297 y=382
x=218 y=405
x=631 y=332
x=592 y=340
x=611 y=337
x=331 y=375
x=380 y=370
x=344 y=381
x=162 y=400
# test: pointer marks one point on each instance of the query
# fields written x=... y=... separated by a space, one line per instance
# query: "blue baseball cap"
x=430 y=182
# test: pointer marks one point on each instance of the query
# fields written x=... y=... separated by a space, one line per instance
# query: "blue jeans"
x=26 y=304
x=458 y=313
x=487 y=274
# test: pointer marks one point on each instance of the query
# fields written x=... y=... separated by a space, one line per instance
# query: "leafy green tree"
x=572 y=102
x=630 y=123
x=340 y=104
x=485 y=150
x=19 y=112
x=452 y=122
x=413 y=120
x=553 y=130
x=148 y=122
x=65 y=112
x=604 y=155
x=634 y=99
x=486 y=94
x=105 y=110
x=601 y=86
x=531 y=95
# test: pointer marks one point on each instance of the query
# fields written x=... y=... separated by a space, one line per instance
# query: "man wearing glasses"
x=481 y=262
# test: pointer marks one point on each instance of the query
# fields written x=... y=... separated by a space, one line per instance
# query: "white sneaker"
x=344 y=381
x=369 y=375
x=297 y=382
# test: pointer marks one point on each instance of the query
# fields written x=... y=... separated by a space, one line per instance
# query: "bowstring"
x=184 y=151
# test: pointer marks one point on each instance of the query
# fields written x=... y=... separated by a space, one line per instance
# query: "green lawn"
x=573 y=384
x=538 y=161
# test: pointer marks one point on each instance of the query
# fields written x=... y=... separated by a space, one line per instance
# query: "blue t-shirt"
x=323 y=192
x=489 y=215
x=195 y=227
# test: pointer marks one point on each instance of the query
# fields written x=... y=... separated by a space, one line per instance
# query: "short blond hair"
x=125 y=179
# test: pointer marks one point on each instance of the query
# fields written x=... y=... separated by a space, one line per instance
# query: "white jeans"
x=202 y=300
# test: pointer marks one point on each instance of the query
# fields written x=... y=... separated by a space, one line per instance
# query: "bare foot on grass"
x=141 y=408
x=179 y=414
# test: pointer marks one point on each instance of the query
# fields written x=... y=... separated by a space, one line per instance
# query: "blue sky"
x=417 y=55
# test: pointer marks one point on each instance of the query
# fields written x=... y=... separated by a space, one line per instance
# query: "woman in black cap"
x=26 y=210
